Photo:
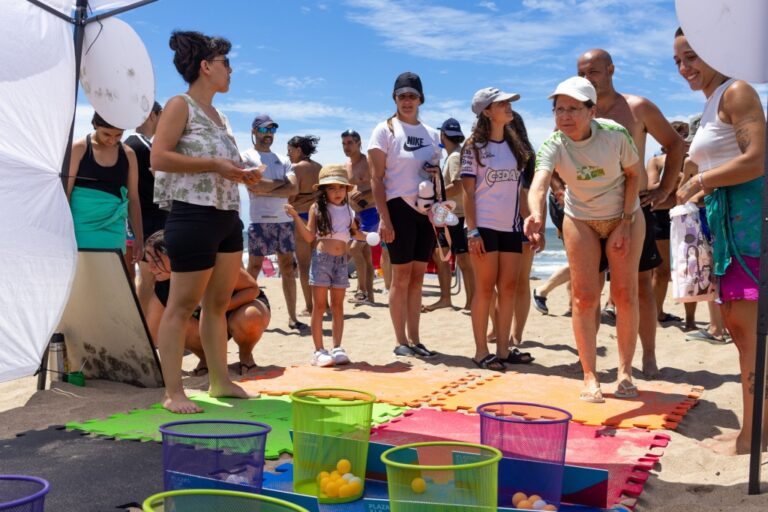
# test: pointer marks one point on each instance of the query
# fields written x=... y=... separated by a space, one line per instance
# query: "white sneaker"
x=339 y=356
x=322 y=358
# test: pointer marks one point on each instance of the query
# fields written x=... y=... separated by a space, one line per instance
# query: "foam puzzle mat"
x=142 y=424
x=627 y=454
x=397 y=383
x=659 y=405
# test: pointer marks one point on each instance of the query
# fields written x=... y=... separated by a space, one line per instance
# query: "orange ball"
x=518 y=497
x=549 y=507
x=534 y=498
x=332 y=489
x=335 y=475
x=524 y=505
x=324 y=483
x=418 y=485
x=346 y=490
x=356 y=487
x=343 y=466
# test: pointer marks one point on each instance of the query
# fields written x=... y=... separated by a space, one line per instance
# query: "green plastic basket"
x=442 y=477
x=206 y=500
x=330 y=425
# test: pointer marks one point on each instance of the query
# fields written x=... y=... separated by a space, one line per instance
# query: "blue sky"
x=320 y=67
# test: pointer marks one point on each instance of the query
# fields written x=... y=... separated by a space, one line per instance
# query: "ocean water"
x=544 y=263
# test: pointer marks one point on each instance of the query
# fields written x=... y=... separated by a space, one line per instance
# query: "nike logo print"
x=411 y=149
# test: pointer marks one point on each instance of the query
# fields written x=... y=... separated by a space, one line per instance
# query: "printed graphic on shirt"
x=412 y=144
x=588 y=172
x=498 y=175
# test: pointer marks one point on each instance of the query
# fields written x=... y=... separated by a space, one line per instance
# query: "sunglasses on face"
x=266 y=129
x=225 y=60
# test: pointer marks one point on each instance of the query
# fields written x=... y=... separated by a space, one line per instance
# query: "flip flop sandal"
x=704 y=335
x=491 y=362
x=245 y=368
x=358 y=297
x=592 y=395
x=299 y=326
x=517 y=357
x=626 y=389
x=199 y=371
x=609 y=311
x=668 y=317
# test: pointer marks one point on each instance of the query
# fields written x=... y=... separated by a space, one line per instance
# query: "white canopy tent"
x=37 y=243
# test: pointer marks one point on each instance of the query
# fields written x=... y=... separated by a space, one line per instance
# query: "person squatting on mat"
x=599 y=163
x=332 y=224
x=198 y=169
x=248 y=312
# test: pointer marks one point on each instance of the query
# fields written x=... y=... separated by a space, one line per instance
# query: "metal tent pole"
x=758 y=407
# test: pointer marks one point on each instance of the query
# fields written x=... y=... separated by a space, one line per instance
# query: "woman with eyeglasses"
x=600 y=166
x=300 y=151
x=402 y=153
x=729 y=150
x=198 y=170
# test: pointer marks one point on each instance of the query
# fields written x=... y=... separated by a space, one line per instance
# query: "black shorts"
x=194 y=234
x=650 y=258
x=662 y=224
x=414 y=235
x=153 y=222
x=501 y=241
x=556 y=212
x=458 y=238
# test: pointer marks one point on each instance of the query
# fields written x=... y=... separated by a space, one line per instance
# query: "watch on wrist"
x=628 y=216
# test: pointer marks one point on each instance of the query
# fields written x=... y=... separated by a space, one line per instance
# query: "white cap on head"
x=578 y=88
x=484 y=97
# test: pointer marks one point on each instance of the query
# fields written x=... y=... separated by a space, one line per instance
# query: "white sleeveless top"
x=201 y=138
x=715 y=141
x=341 y=220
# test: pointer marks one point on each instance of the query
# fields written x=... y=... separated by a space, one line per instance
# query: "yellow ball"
x=524 y=505
x=324 y=483
x=356 y=487
x=418 y=485
x=518 y=497
x=332 y=489
x=335 y=475
x=345 y=491
x=343 y=466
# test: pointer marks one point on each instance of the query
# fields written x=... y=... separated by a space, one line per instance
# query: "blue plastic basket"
x=214 y=454
x=22 y=493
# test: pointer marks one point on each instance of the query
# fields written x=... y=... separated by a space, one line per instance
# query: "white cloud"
x=293 y=82
x=491 y=6
x=302 y=111
x=248 y=68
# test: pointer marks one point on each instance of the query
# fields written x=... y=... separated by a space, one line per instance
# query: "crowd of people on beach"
x=477 y=200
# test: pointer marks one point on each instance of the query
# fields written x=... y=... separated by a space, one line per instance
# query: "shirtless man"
x=300 y=151
x=361 y=200
x=640 y=117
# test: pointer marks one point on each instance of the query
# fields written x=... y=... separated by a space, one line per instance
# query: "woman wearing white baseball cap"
x=492 y=163
x=600 y=165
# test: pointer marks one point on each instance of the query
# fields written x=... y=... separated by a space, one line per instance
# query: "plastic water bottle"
x=57 y=357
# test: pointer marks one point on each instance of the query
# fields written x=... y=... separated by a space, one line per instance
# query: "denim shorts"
x=328 y=271
x=269 y=238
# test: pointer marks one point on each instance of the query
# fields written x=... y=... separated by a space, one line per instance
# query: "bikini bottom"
x=603 y=227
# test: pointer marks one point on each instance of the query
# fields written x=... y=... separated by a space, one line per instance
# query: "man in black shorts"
x=152 y=216
x=451 y=137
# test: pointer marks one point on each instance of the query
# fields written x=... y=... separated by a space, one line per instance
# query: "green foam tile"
x=275 y=411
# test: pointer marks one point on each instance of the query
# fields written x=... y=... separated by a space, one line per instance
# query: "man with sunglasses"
x=271 y=230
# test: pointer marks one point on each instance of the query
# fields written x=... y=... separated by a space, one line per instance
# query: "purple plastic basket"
x=535 y=435
x=22 y=493
x=214 y=454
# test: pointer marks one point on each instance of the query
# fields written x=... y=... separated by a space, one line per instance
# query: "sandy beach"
x=688 y=473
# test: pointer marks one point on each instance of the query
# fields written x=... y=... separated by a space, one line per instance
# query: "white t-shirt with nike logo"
x=407 y=149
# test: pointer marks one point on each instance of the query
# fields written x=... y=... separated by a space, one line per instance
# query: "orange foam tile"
x=659 y=405
x=395 y=384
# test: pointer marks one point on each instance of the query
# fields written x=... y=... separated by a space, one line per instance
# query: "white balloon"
x=116 y=73
x=729 y=35
x=373 y=238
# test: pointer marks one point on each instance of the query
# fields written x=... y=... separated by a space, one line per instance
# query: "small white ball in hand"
x=372 y=238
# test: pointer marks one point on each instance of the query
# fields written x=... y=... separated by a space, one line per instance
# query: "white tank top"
x=341 y=221
x=715 y=141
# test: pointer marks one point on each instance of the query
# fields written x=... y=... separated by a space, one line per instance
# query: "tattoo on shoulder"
x=743 y=135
